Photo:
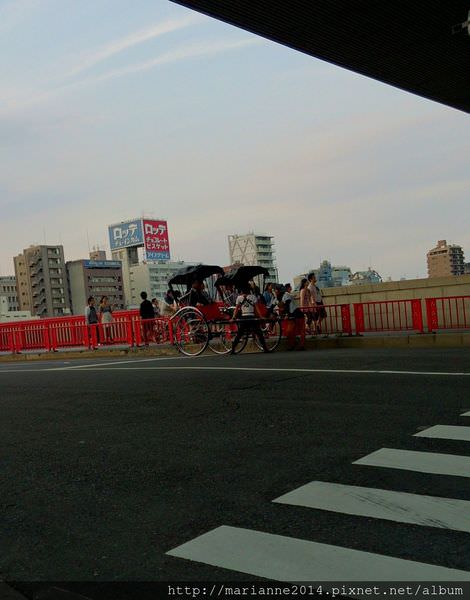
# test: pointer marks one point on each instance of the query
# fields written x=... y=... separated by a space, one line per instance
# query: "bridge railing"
x=337 y=319
x=388 y=315
x=447 y=313
x=128 y=330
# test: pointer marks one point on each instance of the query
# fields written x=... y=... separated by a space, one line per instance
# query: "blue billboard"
x=126 y=234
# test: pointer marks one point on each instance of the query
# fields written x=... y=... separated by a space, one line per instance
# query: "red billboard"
x=156 y=243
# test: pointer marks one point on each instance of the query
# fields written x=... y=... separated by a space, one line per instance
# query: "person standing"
x=268 y=298
x=147 y=316
x=295 y=319
x=91 y=319
x=317 y=301
x=306 y=304
x=246 y=312
x=156 y=307
x=106 y=315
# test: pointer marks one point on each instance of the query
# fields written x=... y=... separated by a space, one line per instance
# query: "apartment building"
x=41 y=281
x=445 y=260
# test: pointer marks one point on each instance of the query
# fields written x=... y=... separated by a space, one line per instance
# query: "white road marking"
x=283 y=558
x=120 y=362
x=465 y=414
x=99 y=366
x=402 y=507
x=446 y=432
x=111 y=367
x=424 y=462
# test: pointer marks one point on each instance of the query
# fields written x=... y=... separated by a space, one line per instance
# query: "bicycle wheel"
x=272 y=332
x=221 y=335
x=191 y=332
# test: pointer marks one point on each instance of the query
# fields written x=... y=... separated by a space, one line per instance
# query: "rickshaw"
x=204 y=316
x=235 y=281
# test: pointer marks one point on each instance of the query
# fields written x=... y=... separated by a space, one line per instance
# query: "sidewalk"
x=424 y=340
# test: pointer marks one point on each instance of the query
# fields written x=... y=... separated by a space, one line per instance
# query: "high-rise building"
x=41 y=281
x=8 y=291
x=254 y=249
x=95 y=278
x=445 y=260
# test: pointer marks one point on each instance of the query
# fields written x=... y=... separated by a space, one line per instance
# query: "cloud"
x=188 y=52
x=199 y=50
x=133 y=39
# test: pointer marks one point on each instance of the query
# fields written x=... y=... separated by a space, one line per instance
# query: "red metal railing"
x=389 y=315
x=336 y=321
x=128 y=329
x=452 y=312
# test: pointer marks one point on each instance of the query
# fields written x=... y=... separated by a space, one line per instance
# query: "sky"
x=110 y=110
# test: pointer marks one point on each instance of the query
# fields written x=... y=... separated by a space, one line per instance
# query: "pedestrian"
x=268 y=297
x=306 y=303
x=91 y=319
x=317 y=301
x=158 y=323
x=156 y=307
x=246 y=313
x=147 y=316
x=106 y=319
x=295 y=320
x=279 y=292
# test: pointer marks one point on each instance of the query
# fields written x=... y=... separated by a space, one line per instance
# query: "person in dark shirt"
x=147 y=315
x=197 y=296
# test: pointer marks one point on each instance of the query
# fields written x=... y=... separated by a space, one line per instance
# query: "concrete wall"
x=400 y=290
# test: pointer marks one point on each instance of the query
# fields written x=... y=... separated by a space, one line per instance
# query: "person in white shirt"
x=246 y=312
x=295 y=320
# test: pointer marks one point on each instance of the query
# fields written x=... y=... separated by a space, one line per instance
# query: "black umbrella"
x=188 y=275
x=241 y=275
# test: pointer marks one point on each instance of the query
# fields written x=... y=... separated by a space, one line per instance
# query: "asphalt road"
x=107 y=465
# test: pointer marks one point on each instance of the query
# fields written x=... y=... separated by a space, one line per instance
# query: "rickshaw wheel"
x=272 y=332
x=191 y=332
x=221 y=335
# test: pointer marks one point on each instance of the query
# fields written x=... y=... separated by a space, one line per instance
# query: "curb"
x=424 y=340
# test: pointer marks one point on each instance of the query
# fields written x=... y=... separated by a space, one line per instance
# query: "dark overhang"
x=409 y=44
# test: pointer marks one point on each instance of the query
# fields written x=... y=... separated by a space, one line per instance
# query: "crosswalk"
x=283 y=558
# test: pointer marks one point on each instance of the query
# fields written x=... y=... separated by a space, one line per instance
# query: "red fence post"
x=47 y=337
x=137 y=331
x=129 y=335
x=359 y=318
x=417 y=315
x=431 y=314
x=346 y=319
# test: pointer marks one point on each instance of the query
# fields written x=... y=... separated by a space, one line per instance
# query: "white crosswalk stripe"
x=284 y=558
x=402 y=507
x=424 y=462
x=446 y=432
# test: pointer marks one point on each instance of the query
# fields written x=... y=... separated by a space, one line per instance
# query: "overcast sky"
x=110 y=109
